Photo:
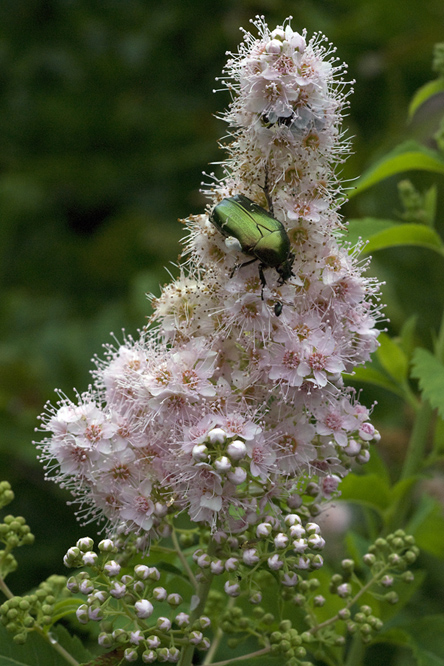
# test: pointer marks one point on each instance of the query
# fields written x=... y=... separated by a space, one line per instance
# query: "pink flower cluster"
x=227 y=407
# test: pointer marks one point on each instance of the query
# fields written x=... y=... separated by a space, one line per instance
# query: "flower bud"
x=174 y=599
x=237 y=476
x=182 y=619
x=222 y=464
x=89 y=558
x=263 y=530
x=82 y=614
x=144 y=608
x=85 y=544
x=112 y=568
x=274 y=562
x=163 y=623
x=106 y=546
x=281 y=540
x=250 y=557
x=217 y=567
x=160 y=593
x=290 y=579
x=237 y=450
x=130 y=654
x=217 y=436
x=200 y=452
x=232 y=589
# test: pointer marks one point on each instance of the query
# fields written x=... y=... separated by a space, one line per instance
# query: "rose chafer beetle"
x=260 y=236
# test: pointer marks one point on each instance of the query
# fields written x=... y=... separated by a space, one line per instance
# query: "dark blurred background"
x=107 y=120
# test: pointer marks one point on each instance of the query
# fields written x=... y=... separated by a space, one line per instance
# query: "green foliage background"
x=106 y=123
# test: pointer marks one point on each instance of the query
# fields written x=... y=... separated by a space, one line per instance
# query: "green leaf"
x=392 y=358
x=408 y=336
x=373 y=376
x=430 y=373
x=427 y=526
x=406 y=157
x=39 y=652
x=430 y=203
x=377 y=465
x=366 y=227
x=424 y=93
x=406 y=234
x=382 y=234
x=426 y=638
x=368 y=490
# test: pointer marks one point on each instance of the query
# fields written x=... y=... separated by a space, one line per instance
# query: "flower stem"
x=183 y=559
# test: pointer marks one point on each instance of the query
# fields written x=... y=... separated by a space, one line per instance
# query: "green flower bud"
x=407 y=577
x=285 y=625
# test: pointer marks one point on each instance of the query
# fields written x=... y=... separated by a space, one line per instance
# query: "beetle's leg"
x=267 y=192
x=262 y=279
x=237 y=266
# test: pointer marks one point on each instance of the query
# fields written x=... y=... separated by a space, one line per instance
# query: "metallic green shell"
x=259 y=233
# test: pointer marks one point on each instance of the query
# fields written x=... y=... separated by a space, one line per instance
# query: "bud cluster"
x=20 y=615
x=14 y=532
x=282 y=548
x=6 y=493
x=155 y=630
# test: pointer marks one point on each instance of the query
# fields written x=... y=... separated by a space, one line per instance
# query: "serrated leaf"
x=35 y=652
x=392 y=358
x=430 y=373
x=424 y=93
x=71 y=643
x=406 y=157
x=373 y=376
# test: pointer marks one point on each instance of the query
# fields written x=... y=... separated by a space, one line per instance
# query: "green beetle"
x=260 y=235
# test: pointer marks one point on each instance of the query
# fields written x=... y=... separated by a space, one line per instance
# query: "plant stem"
x=202 y=590
x=356 y=652
x=217 y=638
x=259 y=653
x=5 y=589
x=418 y=440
